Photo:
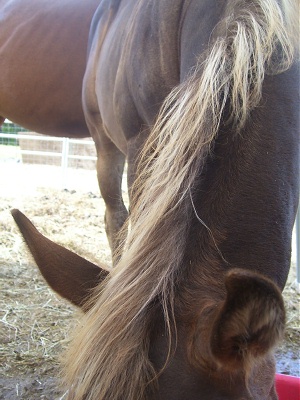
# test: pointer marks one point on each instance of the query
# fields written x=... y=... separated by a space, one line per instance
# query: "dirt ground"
x=34 y=321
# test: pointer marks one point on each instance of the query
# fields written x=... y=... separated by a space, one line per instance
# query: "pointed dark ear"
x=70 y=275
x=250 y=322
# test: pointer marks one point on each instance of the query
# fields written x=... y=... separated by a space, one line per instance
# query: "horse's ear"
x=250 y=322
x=70 y=275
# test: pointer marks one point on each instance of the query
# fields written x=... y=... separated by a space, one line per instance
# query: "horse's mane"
x=108 y=358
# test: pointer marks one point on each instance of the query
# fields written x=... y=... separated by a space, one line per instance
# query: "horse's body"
x=193 y=308
x=43 y=47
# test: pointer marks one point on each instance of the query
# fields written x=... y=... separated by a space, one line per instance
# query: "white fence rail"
x=65 y=146
x=64 y=154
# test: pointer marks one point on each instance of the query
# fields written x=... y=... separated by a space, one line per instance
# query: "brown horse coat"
x=193 y=308
x=43 y=50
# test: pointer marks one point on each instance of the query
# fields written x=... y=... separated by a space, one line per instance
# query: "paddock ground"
x=35 y=323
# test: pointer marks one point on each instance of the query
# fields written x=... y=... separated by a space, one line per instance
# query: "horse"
x=43 y=50
x=203 y=99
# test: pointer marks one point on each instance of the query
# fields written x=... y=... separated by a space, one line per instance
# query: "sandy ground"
x=34 y=321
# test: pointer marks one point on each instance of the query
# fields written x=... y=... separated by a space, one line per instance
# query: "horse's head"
x=223 y=341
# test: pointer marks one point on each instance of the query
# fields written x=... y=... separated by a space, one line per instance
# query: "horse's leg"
x=110 y=167
x=110 y=159
x=2 y=119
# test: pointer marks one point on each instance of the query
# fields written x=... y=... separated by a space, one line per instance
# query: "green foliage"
x=10 y=128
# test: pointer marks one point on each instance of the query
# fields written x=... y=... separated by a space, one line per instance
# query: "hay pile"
x=34 y=322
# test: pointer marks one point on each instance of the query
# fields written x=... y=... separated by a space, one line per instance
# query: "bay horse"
x=43 y=50
x=203 y=98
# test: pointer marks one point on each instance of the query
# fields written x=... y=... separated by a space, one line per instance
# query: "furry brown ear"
x=68 y=274
x=250 y=322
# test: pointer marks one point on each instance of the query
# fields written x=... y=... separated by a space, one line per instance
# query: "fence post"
x=64 y=161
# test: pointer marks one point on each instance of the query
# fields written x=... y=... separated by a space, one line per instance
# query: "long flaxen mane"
x=108 y=358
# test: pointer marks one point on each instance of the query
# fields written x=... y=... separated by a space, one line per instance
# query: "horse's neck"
x=244 y=206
